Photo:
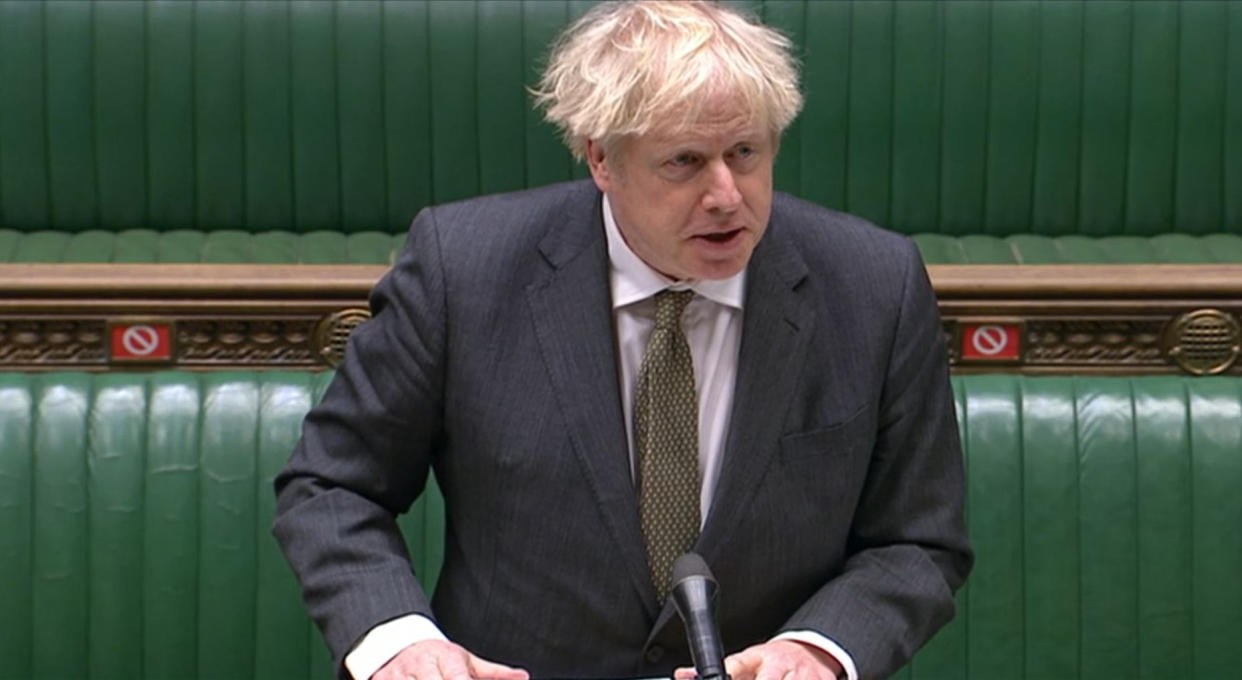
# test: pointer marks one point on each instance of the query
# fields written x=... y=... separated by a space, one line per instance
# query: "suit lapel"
x=775 y=329
x=572 y=313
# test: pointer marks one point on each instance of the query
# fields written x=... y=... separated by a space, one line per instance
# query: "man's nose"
x=721 y=193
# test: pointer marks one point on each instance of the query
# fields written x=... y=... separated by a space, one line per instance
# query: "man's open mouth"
x=721 y=237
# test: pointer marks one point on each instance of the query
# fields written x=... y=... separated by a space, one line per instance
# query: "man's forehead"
x=712 y=126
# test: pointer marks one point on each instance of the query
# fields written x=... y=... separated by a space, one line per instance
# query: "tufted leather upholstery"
x=1104 y=513
x=1067 y=118
x=219 y=246
x=1034 y=249
x=373 y=247
x=135 y=513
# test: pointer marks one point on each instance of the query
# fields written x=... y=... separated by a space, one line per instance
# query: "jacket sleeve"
x=908 y=550
x=365 y=453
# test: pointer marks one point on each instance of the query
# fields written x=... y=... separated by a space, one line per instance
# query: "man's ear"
x=601 y=168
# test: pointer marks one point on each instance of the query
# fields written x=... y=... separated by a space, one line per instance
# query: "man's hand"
x=778 y=660
x=441 y=660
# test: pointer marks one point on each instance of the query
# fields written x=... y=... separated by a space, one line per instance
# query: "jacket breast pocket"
x=845 y=441
x=819 y=476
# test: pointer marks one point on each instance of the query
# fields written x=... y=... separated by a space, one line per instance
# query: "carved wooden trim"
x=215 y=316
x=1097 y=319
x=1069 y=319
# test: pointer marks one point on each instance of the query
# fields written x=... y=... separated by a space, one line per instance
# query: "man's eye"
x=743 y=152
x=682 y=160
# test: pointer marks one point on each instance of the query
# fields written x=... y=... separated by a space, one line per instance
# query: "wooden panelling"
x=1122 y=319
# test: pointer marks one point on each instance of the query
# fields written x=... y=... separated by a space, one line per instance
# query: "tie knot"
x=669 y=306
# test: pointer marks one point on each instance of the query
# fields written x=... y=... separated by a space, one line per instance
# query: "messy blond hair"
x=627 y=68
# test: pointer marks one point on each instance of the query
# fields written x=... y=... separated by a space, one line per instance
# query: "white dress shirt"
x=712 y=324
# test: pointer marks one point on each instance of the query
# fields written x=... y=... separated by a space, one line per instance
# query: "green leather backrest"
x=963 y=117
x=135 y=513
x=135 y=527
x=1105 y=516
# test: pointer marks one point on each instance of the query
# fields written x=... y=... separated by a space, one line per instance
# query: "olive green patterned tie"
x=666 y=441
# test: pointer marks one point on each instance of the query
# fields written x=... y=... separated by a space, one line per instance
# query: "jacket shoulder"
x=515 y=210
x=830 y=240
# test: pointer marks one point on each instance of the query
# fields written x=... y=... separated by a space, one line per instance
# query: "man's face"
x=692 y=205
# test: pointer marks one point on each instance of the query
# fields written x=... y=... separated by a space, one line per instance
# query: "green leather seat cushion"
x=377 y=247
x=185 y=245
x=1032 y=249
x=135 y=514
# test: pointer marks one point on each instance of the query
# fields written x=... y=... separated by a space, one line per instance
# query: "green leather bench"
x=219 y=246
x=135 y=514
x=135 y=131
x=233 y=246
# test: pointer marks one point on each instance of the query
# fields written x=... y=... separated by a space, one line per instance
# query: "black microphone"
x=694 y=588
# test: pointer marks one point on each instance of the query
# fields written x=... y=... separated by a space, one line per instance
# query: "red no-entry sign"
x=140 y=342
x=991 y=341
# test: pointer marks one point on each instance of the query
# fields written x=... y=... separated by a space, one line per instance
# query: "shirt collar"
x=633 y=280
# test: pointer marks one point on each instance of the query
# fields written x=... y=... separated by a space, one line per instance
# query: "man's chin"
x=718 y=270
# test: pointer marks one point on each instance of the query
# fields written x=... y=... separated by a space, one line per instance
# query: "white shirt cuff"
x=386 y=640
x=816 y=640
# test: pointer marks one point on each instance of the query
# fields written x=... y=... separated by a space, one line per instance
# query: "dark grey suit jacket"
x=491 y=359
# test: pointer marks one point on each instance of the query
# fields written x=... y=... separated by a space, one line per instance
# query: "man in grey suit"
x=604 y=374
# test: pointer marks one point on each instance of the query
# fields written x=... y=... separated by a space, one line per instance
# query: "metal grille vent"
x=1205 y=341
x=332 y=334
